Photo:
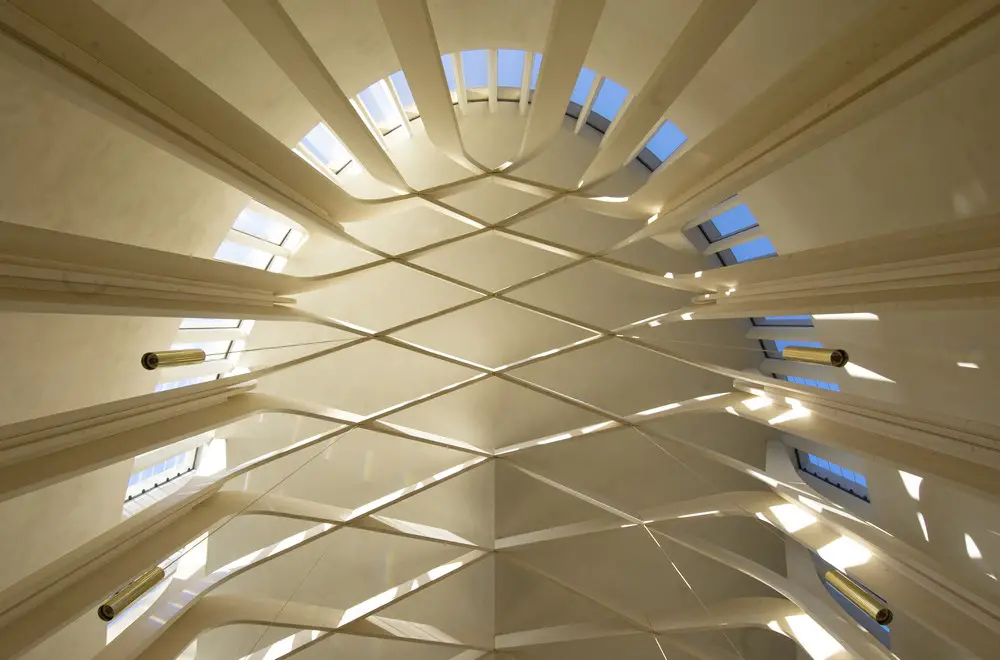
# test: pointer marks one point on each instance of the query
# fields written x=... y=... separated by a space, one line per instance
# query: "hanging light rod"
x=830 y=357
x=865 y=601
x=155 y=359
x=130 y=593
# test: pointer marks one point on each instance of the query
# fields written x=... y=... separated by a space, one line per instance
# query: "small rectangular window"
x=819 y=384
x=449 y=70
x=510 y=67
x=536 y=66
x=326 y=148
x=665 y=141
x=584 y=82
x=610 y=99
x=833 y=474
x=257 y=224
x=243 y=255
x=757 y=248
x=402 y=88
x=381 y=108
x=728 y=223
x=475 y=65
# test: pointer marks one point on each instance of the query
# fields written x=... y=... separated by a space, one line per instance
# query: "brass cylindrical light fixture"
x=866 y=602
x=155 y=359
x=830 y=357
x=130 y=593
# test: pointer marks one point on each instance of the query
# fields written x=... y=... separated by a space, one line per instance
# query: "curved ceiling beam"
x=570 y=31
x=51 y=597
x=83 y=52
x=213 y=612
x=711 y=25
x=411 y=31
x=275 y=31
x=732 y=613
x=820 y=99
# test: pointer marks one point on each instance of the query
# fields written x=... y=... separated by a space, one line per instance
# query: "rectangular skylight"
x=449 y=70
x=402 y=88
x=757 y=248
x=257 y=224
x=727 y=223
x=823 y=385
x=510 y=67
x=665 y=141
x=583 y=84
x=381 y=107
x=794 y=320
x=474 y=67
x=536 y=66
x=243 y=255
x=324 y=145
x=846 y=480
x=610 y=99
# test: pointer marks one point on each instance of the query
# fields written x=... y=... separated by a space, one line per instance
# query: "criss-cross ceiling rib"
x=732 y=613
x=822 y=98
x=408 y=23
x=570 y=31
x=214 y=612
x=712 y=23
x=275 y=31
x=183 y=594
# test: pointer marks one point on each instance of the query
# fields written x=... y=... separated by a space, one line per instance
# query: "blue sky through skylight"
x=474 y=67
x=583 y=83
x=402 y=88
x=449 y=70
x=536 y=66
x=782 y=343
x=510 y=67
x=610 y=99
x=755 y=249
x=734 y=220
x=665 y=141
x=823 y=385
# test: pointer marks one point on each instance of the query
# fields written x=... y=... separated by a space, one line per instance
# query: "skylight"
x=757 y=248
x=475 y=65
x=536 y=66
x=610 y=99
x=324 y=146
x=510 y=67
x=665 y=141
x=243 y=255
x=381 y=107
x=823 y=385
x=583 y=84
x=254 y=223
x=801 y=320
x=448 y=63
x=846 y=480
x=727 y=223
x=402 y=88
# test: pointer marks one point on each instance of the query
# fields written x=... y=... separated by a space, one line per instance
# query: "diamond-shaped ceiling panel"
x=409 y=230
x=489 y=201
x=490 y=261
x=493 y=333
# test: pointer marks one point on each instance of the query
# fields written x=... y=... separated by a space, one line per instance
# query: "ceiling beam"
x=570 y=32
x=277 y=34
x=83 y=52
x=824 y=97
x=704 y=33
x=409 y=25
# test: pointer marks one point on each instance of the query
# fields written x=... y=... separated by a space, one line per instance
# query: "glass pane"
x=449 y=70
x=665 y=141
x=860 y=478
x=474 y=66
x=510 y=67
x=324 y=145
x=734 y=221
x=162 y=387
x=294 y=240
x=536 y=66
x=755 y=249
x=402 y=89
x=187 y=324
x=583 y=84
x=835 y=469
x=848 y=474
x=277 y=264
x=243 y=255
x=796 y=319
x=610 y=99
x=380 y=107
x=257 y=224
x=780 y=344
